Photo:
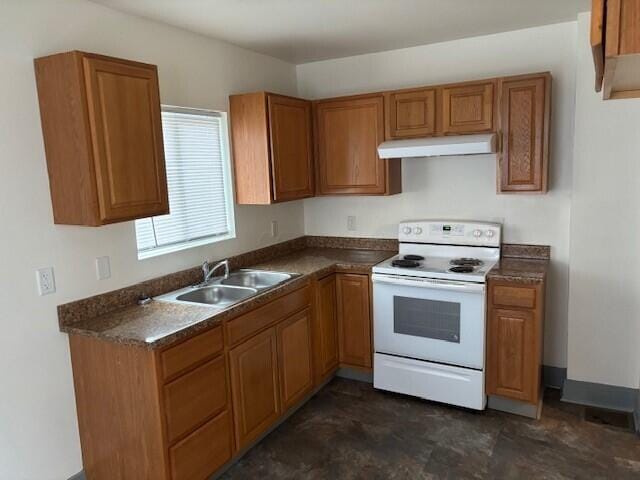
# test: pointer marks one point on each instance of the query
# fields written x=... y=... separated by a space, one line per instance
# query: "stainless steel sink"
x=217 y=295
x=223 y=292
x=255 y=279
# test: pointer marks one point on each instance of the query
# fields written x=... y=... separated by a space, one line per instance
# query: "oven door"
x=437 y=320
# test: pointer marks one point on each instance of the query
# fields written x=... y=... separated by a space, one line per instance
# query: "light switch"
x=274 y=228
x=103 y=268
x=351 y=223
x=46 y=281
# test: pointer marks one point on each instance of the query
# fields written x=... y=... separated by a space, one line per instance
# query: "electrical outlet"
x=351 y=223
x=46 y=281
x=274 y=228
x=103 y=268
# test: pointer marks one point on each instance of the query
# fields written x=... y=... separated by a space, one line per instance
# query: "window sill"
x=156 y=252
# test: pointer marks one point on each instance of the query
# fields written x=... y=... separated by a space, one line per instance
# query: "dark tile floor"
x=351 y=431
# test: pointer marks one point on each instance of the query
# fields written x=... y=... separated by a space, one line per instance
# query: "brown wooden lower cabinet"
x=514 y=340
x=135 y=424
x=165 y=414
x=354 y=319
x=294 y=355
x=326 y=328
x=255 y=386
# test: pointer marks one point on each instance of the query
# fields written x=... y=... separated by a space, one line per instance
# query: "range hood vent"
x=439 y=146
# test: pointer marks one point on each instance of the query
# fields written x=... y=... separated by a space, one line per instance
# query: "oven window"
x=427 y=318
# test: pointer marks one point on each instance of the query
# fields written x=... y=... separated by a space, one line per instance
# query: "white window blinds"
x=200 y=200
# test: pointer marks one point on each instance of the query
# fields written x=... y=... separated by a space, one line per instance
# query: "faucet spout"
x=208 y=273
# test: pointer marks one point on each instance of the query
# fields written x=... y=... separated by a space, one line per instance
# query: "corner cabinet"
x=325 y=332
x=272 y=148
x=348 y=132
x=615 y=44
x=354 y=320
x=525 y=109
x=514 y=340
x=102 y=134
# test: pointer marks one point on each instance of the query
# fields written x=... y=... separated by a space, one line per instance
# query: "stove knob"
x=406 y=230
x=477 y=233
x=417 y=230
x=489 y=233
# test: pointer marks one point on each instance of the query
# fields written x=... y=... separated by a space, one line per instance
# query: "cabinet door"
x=354 y=320
x=327 y=326
x=467 y=108
x=513 y=363
x=411 y=114
x=349 y=132
x=524 y=119
x=126 y=134
x=294 y=355
x=254 y=386
x=291 y=148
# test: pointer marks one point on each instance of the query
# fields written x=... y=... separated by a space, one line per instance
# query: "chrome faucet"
x=208 y=272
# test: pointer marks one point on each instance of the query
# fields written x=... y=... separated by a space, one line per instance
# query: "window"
x=199 y=184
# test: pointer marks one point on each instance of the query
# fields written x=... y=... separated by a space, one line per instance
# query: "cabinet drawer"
x=254 y=321
x=523 y=297
x=203 y=452
x=194 y=397
x=183 y=356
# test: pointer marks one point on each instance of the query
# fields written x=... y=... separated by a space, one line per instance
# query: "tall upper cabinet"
x=615 y=43
x=103 y=138
x=272 y=148
x=348 y=132
x=524 y=111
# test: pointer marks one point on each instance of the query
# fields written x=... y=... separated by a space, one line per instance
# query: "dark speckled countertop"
x=160 y=323
x=522 y=264
x=520 y=270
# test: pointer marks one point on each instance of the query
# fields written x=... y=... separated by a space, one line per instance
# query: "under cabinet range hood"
x=439 y=146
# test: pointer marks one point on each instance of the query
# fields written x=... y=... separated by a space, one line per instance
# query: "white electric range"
x=429 y=311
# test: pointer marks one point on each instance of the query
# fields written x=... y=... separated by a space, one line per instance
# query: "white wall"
x=604 y=300
x=464 y=187
x=38 y=427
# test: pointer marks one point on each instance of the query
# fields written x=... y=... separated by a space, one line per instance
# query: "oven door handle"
x=434 y=284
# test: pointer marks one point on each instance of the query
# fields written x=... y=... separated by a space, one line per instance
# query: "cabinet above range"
x=275 y=154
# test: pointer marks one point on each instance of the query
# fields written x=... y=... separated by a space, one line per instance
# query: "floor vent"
x=610 y=418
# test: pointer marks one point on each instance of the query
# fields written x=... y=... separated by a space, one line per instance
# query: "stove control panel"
x=446 y=232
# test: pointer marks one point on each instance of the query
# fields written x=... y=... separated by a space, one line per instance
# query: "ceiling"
x=301 y=31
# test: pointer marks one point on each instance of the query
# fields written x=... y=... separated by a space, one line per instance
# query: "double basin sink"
x=223 y=292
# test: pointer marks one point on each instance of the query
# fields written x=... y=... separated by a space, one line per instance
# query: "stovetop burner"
x=413 y=257
x=404 y=263
x=466 y=262
x=462 y=269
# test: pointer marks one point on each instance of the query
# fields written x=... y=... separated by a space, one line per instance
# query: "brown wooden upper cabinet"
x=524 y=106
x=272 y=148
x=348 y=132
x=103 y=138
x=411 y=113
x=615 y=44
x=468 y=108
